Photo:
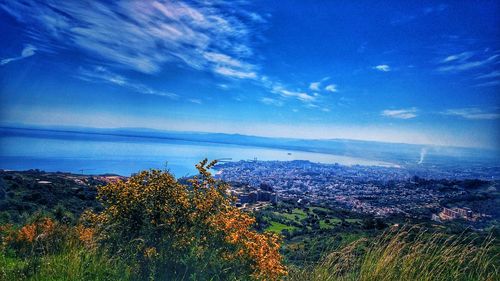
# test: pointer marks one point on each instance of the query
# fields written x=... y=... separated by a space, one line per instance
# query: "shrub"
x=41 y=237
x=165 y=229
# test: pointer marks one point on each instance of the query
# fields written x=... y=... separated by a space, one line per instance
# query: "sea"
x=83 y=153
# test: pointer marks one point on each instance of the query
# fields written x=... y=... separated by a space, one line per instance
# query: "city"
x=380 y=191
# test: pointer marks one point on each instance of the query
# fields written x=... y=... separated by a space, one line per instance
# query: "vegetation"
x=407 y=254
x=60 y=195
x=154 y=227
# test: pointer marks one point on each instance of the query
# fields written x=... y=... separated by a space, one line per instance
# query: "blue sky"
x=423 y=72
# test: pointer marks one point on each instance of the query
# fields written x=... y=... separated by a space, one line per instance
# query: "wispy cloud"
x=494 y=74
x=435 y=9
x=28 y=51
x=101 y=74
x=407 y=113
x=401 y=18
x=314 y=86
x=488 y=84
x=144 y=35
x=472 y=113
x=331 y=88
x=302 y=96
x=231 y=67
x=270 y=101
x=458 y=57
x=196 y=101
x=466 y=61
x=492 y=77
x=234 y=73
x=382 y=67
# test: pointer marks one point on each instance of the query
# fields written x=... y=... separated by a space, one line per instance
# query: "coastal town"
x=380 y=191
x=255 y=185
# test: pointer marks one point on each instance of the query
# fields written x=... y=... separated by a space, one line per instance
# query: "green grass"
x=324 y=225
x=320 y=209
x=299 y=212
x=278 y=227
x=330 y=224
x=406 y=254
x=72 y=264
x=296 y=213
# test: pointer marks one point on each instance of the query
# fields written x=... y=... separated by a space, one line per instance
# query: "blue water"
x=98 y=154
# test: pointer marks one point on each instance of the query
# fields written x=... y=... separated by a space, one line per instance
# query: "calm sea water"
x=97 y=154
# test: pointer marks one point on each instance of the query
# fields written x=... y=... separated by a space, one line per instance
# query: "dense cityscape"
x=381 y=191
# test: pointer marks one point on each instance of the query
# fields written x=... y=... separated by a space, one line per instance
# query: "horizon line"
x=74 y=129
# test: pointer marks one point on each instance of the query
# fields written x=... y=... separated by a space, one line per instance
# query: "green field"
x=330 y=223
x=278 y=227
x=296 y=215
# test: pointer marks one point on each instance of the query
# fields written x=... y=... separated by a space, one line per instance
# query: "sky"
x=422 y=72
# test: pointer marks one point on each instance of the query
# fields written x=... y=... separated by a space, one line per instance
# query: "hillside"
x=318 y=241
x=64 y=195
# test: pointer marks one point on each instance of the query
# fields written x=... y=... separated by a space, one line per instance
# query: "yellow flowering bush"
x=7 y=235
x=43 y=236
x=169 y=229
x=86 y=235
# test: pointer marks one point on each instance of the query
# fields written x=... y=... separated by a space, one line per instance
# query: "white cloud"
x=435 y=9
x=493 y=74
x=488 y=84
x=331 y=88
x=311 y=105
x=383 y=67
x=304 y=97
x=197 y=101
x=472 y=113
x=408 y=113
x=222 y=59
x=28 y=51
x=227 y=71
x=463 y=62
x=102 y=75
x=314 y=86
x=256 y=17
x=231 y=67
x=270 y=101
x=145 y=35
x=458 y=57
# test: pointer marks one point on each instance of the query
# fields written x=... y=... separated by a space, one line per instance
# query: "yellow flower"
x=27 y=233
x=150 y=253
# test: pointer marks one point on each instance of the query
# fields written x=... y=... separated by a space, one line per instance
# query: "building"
x=247 y=195
x=457 y=213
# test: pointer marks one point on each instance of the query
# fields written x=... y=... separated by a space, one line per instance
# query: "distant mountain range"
x=407 y=154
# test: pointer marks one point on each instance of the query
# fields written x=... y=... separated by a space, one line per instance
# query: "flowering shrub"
x=170 y=229
x=43 y=236
x=86 y=235
x=7 y=235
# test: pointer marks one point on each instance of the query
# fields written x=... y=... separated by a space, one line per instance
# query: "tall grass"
x=407 y=254
x=399 y=254
x=72 y=262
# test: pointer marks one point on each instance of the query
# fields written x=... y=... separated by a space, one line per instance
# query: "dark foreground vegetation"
x=154 y=227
